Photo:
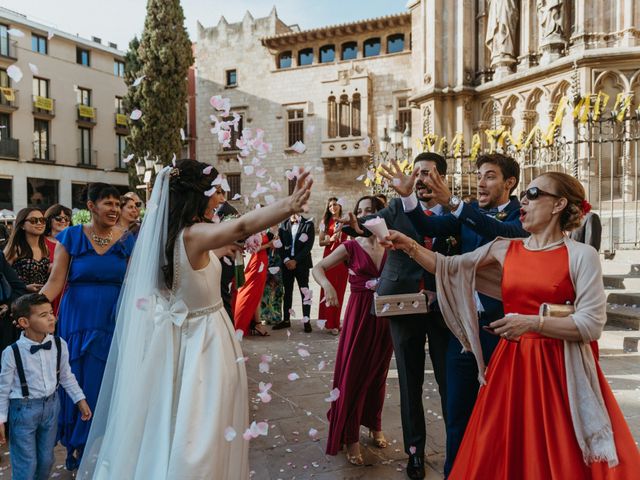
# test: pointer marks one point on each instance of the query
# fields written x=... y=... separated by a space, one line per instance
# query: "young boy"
x=31 y=370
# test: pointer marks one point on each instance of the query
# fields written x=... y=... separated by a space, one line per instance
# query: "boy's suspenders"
x=20 y=366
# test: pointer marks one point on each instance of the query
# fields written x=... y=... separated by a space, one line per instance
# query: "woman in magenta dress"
x=365 y=348
x=546 y=409
x=331 y=238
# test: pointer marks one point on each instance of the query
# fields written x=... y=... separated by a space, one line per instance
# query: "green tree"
x=136 y=144
x=164 y=55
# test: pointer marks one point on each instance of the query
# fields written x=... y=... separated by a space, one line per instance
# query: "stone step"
x=623 y=316
x=630 y=344
x=624 y=298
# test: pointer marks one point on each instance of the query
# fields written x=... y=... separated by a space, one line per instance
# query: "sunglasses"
x=62 y=219
x=534 y=192
x=138 y=204
x=36 y=220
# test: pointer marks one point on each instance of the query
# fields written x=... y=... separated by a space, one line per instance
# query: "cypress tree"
x=131 y=101
x=164 y=55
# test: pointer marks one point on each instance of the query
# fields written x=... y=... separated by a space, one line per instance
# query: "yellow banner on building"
x=43 y=103
x=86 y=112
x=121 y=119
x=8 y=93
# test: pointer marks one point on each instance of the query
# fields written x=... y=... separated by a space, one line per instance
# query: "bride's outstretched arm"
x=203 y=237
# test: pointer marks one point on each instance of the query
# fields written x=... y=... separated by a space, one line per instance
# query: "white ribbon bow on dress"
x=171 y=310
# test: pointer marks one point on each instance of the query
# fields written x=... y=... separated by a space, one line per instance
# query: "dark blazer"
x=225 y=209
x=590 y=232
x=475 y=229
x=302 y=250
x=18 y=288
x=400 y=273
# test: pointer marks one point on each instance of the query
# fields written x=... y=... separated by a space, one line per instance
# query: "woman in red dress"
x=365 y=347
x=247 y=301
x=546 y=410
x=58 y=217
x=331 y=237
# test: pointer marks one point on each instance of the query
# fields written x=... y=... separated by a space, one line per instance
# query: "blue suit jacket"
x=475 y=229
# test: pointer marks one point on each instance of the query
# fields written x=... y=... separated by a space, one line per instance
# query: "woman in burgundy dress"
x=365 y=348
x=331 y=238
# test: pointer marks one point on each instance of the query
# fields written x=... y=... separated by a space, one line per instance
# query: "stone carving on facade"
x=501 y=37
x=551 y=28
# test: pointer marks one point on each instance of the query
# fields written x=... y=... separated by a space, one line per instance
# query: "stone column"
x=528 y=36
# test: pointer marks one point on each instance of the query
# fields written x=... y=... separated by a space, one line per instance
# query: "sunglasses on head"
x=62 y=218
x=534 y=192
x=35 y=220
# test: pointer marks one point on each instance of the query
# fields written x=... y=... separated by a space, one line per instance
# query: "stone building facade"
x=59 y=128
x=465 y=66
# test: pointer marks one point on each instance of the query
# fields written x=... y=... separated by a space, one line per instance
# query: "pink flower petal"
x=293 y=377
x=333 y=395
x=136 y=115
x=207 y=170
x=321 y=324
x=321 y=365
x=229 y=434
x=303 y=237
x=303 y=352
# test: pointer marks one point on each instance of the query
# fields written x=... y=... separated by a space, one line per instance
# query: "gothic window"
x=305 y=57
x=395 y=43
x=355 y=115
x=332 y=116
x=284 y=60
x=327 y=54
x=344 y=120
x=349 y=51
x=404 y=114
x=372 y=47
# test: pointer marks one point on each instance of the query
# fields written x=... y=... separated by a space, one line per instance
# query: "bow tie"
x=44 y=346
x=491 y=211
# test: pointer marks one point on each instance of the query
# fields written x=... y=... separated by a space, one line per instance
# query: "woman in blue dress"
x=92 y=259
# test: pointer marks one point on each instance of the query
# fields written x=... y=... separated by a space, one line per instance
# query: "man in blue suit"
x=496 y=213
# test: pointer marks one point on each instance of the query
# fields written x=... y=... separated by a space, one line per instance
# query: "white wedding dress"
x=163 y=412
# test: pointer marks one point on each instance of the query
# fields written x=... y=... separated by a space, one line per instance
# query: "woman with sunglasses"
x=27 y=250
x=129 y=212
x=545 y=409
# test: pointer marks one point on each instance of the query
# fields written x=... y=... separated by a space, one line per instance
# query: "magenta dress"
x=363 y=357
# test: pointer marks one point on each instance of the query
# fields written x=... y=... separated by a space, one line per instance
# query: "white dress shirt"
x=39 y=371
x=294 y=233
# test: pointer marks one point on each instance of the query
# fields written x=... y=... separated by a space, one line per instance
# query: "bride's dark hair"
x=187 y=204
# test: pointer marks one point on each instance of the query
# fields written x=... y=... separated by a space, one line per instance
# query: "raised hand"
x=401 y=183
x=439 y=188
x=298 y=199
x=351 y=221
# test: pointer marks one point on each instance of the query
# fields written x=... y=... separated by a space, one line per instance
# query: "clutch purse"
x=556 y=310
x=401 y=304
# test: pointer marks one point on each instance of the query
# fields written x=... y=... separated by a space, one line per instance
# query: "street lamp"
x=406 y=138
x=396 y=135
x=384 y=142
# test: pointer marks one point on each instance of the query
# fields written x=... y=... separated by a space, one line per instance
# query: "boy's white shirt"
x=40 y=373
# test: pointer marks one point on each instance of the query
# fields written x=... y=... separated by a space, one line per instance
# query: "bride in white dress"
x=175 y=379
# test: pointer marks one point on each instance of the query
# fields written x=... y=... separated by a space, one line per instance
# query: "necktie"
x=490 y=211
x=428 y=241
x=44 y=346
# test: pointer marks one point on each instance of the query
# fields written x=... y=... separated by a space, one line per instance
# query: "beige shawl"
x=457 y=278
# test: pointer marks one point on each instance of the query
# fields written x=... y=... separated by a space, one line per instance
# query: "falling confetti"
x=136 y=115
x=303 y=352
x=263 y=367
x=321 y=365
x=207 y=170
x=229 y=434
x=248 y=169
x=183 y=137
x=128 y=158
x=360 y=178
x=293 y=377
x=14 y=73
x=366 y=143
x=211 y=191
x=313 y=433
x=34 y=69
x=277 y=243
x=50 y=35
x=138 y=81
x=321 y=324
x=14 y=32
x=412 y=450
x=333 y=395
x=142 y=304
x=237 y=196
x=298 y=147
x=303 y=237
x=239 y=335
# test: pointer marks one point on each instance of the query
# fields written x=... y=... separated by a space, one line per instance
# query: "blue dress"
x=86 y=320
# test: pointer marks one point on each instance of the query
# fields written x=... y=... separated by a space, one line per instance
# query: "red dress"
x=521 y=424
x=362 y=360
x=248 y=298
x=51 y=246
x=337 y=277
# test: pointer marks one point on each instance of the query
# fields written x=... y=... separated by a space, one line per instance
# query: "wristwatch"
x=454 y=202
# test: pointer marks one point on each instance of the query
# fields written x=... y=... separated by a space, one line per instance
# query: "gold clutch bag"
x=401 y=304
x=556 y=310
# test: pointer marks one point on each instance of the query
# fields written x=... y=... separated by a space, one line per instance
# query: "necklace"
x=544 y=247
x=101 y=241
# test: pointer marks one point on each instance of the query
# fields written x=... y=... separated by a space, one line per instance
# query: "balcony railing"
x=10 y=148
x=8 y=99
x=9 y=48
x=44 y=152
x=87 y=157
x=87 y=114
x=44 y=106
x=120 y=122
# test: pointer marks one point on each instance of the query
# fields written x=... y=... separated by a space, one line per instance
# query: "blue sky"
x=119 y=20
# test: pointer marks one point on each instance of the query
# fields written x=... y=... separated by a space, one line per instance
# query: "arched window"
x=332 y=117
x=344 y=116
x=349 y=51
x=284 y=60
x=355 y=115
x=327 y=54
x=305 y=57
x=372 y=47
x=395 y=43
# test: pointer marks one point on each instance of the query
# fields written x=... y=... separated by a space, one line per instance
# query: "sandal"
x=255 y=332
x=356 y=459
x=379 y=440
